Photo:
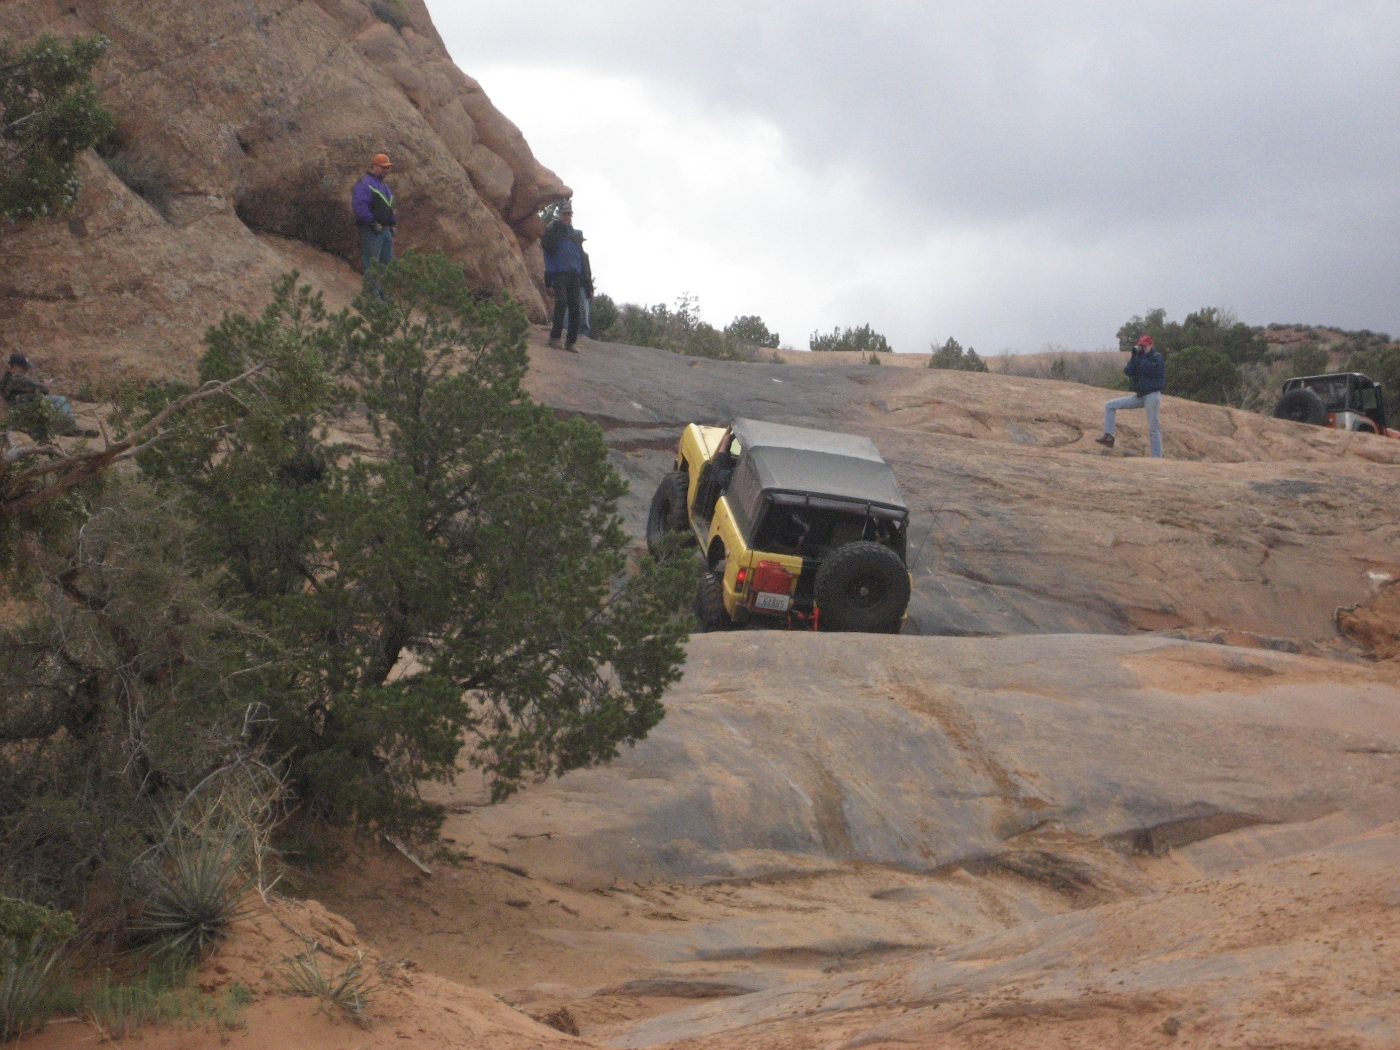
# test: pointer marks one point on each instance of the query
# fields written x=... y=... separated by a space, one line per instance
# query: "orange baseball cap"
x=382 y=160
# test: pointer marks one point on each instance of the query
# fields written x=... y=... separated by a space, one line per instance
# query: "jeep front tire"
x=862 y=587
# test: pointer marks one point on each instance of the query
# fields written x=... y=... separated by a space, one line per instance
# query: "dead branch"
x=20 y=492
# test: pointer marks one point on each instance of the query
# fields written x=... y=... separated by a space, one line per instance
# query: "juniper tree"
x=461 y=578
x=49 y=113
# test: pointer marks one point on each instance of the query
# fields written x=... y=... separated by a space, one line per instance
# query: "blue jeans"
x=1153 y=403
x=376 y=247
x=583 y=328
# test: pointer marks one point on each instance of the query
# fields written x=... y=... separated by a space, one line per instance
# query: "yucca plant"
x=31 y=942
x=194 y=886
x=350 y=989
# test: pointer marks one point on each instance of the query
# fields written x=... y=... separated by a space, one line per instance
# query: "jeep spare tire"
x=667 y=513
x=862 y=587
x=1302 y=406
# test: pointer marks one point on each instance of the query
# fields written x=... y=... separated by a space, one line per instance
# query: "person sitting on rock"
x=1147 y=371
x=18 y=388
x=373 y=204
x=563 y=271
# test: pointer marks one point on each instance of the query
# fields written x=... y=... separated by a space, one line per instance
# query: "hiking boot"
x=1106 y=441
x=555 y=343
x=571 y=347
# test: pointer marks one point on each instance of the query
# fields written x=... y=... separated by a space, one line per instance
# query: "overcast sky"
x=1010 y=174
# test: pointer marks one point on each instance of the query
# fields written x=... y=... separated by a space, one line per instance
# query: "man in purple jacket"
x=373 y=203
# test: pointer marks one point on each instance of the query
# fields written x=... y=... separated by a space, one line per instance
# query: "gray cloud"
x=1208 y=152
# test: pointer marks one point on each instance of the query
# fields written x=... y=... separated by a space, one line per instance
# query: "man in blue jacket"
x=373 y=204
x=563 y=271
x=1147 y=371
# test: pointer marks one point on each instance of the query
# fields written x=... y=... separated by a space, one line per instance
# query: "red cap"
x=1145 y=341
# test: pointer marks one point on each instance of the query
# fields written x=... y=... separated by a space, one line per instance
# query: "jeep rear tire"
x=667 y=513
x=709 y=602
x=862 y=587
x=1302 y=406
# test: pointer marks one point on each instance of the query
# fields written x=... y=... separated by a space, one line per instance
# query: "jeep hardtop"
x=795 y=525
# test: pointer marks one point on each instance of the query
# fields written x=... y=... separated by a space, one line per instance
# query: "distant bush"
x=951 y=355
x=680 y=330
x=1199 y=373
x=602 y=316
x=1308 y=359
x=1208 y=327
x=1381 y=363
x=751 y=330
x=864 y=339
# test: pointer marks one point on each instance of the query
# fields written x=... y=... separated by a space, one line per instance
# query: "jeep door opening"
x=793 y=524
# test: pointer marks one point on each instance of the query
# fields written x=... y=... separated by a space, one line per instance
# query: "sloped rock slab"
x=789 y=752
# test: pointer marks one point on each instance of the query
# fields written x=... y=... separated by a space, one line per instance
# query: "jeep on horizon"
x=795 y=525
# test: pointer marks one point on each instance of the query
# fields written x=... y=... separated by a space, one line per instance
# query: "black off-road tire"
x=862 y=587
x=667 y=513
x=1302 y=406
x=709 y=603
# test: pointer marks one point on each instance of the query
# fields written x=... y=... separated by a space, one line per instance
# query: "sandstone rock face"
x=1019 y=523
x=256 y=117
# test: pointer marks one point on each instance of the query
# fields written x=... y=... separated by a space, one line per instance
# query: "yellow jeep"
x=798 y=525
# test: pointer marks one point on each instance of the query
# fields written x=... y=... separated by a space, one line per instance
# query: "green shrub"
x=1199 y=373
x=49 y=114
x=680 y=330
x=602 y=315
x=1382 y=363
x=1209 y=327
x=751 y=331
x=32 y=940
x=1307 y=359
x=951 y=355
x=864 y=339
x=482 y=538
x=129 y=648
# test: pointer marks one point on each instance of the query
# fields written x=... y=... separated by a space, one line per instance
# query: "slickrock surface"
x=244 y=117
x=1020 y=524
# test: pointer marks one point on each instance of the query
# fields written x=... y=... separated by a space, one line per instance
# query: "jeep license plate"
x=775 y=602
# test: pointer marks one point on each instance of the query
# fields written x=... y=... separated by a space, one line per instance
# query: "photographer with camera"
x=1147 y=371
